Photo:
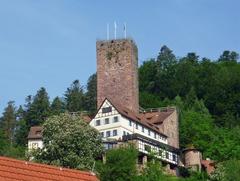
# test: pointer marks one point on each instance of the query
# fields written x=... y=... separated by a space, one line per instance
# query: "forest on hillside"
x=206 y=93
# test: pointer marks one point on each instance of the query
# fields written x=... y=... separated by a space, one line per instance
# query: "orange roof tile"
x=15 y=170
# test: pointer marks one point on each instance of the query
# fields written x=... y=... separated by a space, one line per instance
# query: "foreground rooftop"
x=14 y=170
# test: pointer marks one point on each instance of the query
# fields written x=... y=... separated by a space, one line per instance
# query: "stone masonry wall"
x=117 y=72
x=170 y=127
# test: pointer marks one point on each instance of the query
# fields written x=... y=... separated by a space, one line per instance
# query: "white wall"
x=35 y=143
x=122 y=125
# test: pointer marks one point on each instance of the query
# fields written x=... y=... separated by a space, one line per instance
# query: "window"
x=136 y=125
x=108 y=146
x=106 y=109
x=149 y=132
x=147 y=148
x=108 y=134
x=102 y=134
x=130 y=123
x=155 y=135
x=124 y=132
x=174 y=158
x=143 y=129
x=115 y=132
x=115 y=119
x=160 y=152
x=34 y=145
x=106 y=120
x=167 y=155
x=97 y=123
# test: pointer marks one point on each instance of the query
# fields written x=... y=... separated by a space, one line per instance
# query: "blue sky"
x=51 y=43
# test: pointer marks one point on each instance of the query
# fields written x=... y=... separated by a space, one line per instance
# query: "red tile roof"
x=16 y=170
x=158 y=117
x=209 y=165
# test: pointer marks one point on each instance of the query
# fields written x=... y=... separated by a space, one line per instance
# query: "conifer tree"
x=74 y=97
x=8 y=121
x=57 y=106
x=165 y=58
x=39 y=109
x=91 y=94
x=21 y=128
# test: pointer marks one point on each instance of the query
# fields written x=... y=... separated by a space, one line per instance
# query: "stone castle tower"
x=117 y=72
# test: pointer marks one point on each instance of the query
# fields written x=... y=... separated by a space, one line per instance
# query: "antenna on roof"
x=107 y=31
x=125 y=30
x=115 y=30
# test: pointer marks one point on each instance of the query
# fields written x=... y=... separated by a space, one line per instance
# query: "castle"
x=119 y=118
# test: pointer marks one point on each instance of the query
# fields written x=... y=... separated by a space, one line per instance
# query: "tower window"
x=143 y=129
x=149 y=132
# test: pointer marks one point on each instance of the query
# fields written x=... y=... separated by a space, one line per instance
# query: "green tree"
x=229 y=56
x=91 y=94
x=3 y=142
x=69 y=142
x=147 y=76
x=74 y=97
x=8 y=121
x=23 y=123
x=227 y=171
x=39 y=109
x=154 y=172
x=196 y=129
x=166 y=58
x=57 y=106
x=120 y=165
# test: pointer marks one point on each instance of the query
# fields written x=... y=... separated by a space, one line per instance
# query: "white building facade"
x=117 y=124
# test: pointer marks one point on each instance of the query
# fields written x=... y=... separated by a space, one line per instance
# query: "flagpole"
x=107 y=31
x=115 y=30
x=125 y=30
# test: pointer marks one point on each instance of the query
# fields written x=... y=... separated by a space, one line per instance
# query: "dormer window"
x=107 y=109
